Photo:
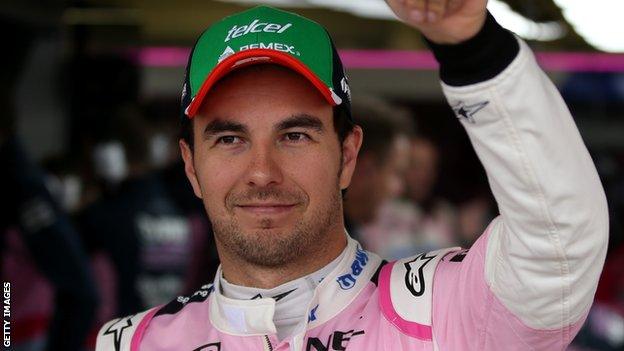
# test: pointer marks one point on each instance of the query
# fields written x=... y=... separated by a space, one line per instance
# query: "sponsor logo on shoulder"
x=256 y=27
x=199 y=295
x=414 y=276
x=459 y=256
x=183 y=299
x=117 y=329
x=347 y=281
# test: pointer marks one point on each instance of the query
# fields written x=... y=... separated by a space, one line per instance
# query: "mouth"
x=266 y=208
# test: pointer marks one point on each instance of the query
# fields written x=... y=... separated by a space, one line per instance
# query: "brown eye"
x=228 y=139
x=296 y=136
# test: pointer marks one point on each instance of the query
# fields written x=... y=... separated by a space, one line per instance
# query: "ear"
x=189 y=167
x=350 y=149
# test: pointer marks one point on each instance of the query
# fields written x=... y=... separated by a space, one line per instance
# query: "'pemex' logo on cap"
x=256 y=27
x=227 y=52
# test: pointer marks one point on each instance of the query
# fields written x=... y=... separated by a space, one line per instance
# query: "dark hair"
x=343 y=125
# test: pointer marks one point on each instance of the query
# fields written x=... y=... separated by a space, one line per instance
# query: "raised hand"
x=442 y=21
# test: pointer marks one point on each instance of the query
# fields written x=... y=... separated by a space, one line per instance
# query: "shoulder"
x=185 y=303
x=120 y=334
x=406 y=294
x=126 y=333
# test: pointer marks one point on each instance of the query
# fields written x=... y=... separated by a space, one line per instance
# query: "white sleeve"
x=547 y=248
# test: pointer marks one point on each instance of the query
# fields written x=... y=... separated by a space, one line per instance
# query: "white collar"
x=340 y=286
x=291 y=298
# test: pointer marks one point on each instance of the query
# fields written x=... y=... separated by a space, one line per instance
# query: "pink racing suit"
x=526 y=284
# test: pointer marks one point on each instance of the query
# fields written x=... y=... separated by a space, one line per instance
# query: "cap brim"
x=253 y=57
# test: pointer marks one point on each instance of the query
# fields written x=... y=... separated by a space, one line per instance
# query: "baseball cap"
x=264 y=35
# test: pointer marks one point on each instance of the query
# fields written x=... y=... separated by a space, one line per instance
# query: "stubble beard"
x=275 y=248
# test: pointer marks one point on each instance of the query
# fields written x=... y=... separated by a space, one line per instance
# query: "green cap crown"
x=265 y=27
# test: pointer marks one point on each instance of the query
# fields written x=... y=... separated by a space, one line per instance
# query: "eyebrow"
x=301 y=121
x=217 y=126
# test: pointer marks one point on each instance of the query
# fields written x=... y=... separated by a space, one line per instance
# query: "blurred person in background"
x=419 y=220
x=53 y=294
x=164 y=153
x=382 y=160
x=135 y=222
x=169 y=167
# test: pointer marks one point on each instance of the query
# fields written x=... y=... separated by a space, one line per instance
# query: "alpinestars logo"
x=414 y=276
x=117 y=330
x=469 y=111
x=276 y=297
x=256 y=27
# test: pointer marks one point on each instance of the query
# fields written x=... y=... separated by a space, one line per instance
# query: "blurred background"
x=98 y=220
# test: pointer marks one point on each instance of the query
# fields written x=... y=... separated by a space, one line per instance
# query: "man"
x=136 y=223
x=269 y=156
x=382 y=160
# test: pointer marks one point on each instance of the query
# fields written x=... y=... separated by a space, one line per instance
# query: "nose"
x=264 y=168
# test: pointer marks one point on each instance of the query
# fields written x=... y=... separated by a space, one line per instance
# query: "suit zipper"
x=267 y=344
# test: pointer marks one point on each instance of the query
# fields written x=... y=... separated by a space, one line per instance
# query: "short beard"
x=266 y=249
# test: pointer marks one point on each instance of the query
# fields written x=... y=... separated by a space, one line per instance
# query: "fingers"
x=417 y=9
x=435 y=9
x=426 y=10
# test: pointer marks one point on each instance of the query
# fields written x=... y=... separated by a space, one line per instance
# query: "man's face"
x=268 y=165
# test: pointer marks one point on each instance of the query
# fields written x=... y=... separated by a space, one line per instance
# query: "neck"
x=241 y=272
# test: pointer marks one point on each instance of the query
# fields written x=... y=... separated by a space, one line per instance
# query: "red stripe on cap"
x=233 y=62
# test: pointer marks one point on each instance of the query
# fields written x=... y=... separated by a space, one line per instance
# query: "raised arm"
x=542 y=257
